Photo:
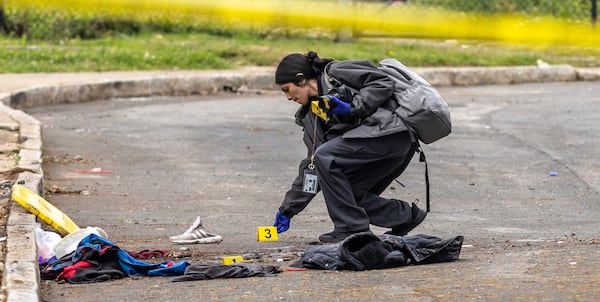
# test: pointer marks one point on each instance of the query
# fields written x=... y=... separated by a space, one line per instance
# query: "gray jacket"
x=372 y=101
x=370 y=109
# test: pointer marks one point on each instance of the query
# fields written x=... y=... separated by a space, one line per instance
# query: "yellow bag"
x=41 y=208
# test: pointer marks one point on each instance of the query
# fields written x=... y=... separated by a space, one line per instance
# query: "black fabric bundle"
x=365 y=251
x=240 y=270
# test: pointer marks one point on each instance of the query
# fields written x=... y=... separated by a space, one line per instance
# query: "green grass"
x=70 y=36
x=214 y=51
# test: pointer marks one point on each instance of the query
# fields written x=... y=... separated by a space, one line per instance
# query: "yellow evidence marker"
x=41 y=208
x=267 y=233
x=320 y=108
x=233 y=260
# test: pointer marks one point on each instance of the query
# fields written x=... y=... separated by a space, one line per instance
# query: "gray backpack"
x=420 y=106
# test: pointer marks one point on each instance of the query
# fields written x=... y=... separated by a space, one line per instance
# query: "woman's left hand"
x=338 y=106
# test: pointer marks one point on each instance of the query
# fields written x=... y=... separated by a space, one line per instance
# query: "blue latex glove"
x=338 y=106
x=282 y=222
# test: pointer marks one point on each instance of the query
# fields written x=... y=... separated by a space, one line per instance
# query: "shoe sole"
x=418 y=221
x=332 y=240
x=337 y=239
x=215 y=239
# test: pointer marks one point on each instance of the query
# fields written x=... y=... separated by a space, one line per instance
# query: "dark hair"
x=295 y=67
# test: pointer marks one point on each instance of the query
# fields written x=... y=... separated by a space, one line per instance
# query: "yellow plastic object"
x=320 y=108
x=232 y=260
x=267 y=233
x=41 y=208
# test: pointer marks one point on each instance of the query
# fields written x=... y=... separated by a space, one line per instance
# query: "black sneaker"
x=418 y=215
x=335 y=237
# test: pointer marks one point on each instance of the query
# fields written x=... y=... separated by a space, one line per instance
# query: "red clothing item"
x=69 y=271
x=147 y=254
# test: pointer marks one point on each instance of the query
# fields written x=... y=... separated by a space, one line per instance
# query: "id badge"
x=310 y=182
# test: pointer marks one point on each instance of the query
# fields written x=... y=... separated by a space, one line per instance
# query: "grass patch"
x=213 y=51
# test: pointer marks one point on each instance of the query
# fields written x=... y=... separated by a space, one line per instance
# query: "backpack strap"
x=329 y=80
x=422 y=159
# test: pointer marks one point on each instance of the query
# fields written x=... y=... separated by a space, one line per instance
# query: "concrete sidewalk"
x=21 y=144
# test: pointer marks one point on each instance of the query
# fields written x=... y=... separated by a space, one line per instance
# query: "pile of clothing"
x=98 y=259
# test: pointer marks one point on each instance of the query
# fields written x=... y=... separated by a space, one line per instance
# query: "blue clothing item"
x=175 y=269
x=129 y=265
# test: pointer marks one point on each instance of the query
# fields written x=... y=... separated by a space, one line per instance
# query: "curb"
x=126 y=85
x=472 y=76
x=98 y=86
x=21 y=279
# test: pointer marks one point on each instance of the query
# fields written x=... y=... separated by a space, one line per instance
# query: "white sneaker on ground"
x=197 y=233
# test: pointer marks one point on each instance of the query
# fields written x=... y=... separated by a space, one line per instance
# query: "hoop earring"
x=300 y=79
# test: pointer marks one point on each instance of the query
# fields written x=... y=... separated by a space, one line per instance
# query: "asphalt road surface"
x=519 y=178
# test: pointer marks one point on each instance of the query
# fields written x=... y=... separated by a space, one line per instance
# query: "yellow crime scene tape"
x=362 y=18
x=43 y=209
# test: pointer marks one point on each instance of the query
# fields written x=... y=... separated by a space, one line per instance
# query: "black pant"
x=354 y=172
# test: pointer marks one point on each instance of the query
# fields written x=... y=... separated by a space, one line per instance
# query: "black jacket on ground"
x=365 y=251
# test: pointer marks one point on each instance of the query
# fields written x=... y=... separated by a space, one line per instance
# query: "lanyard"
x=311 y=164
